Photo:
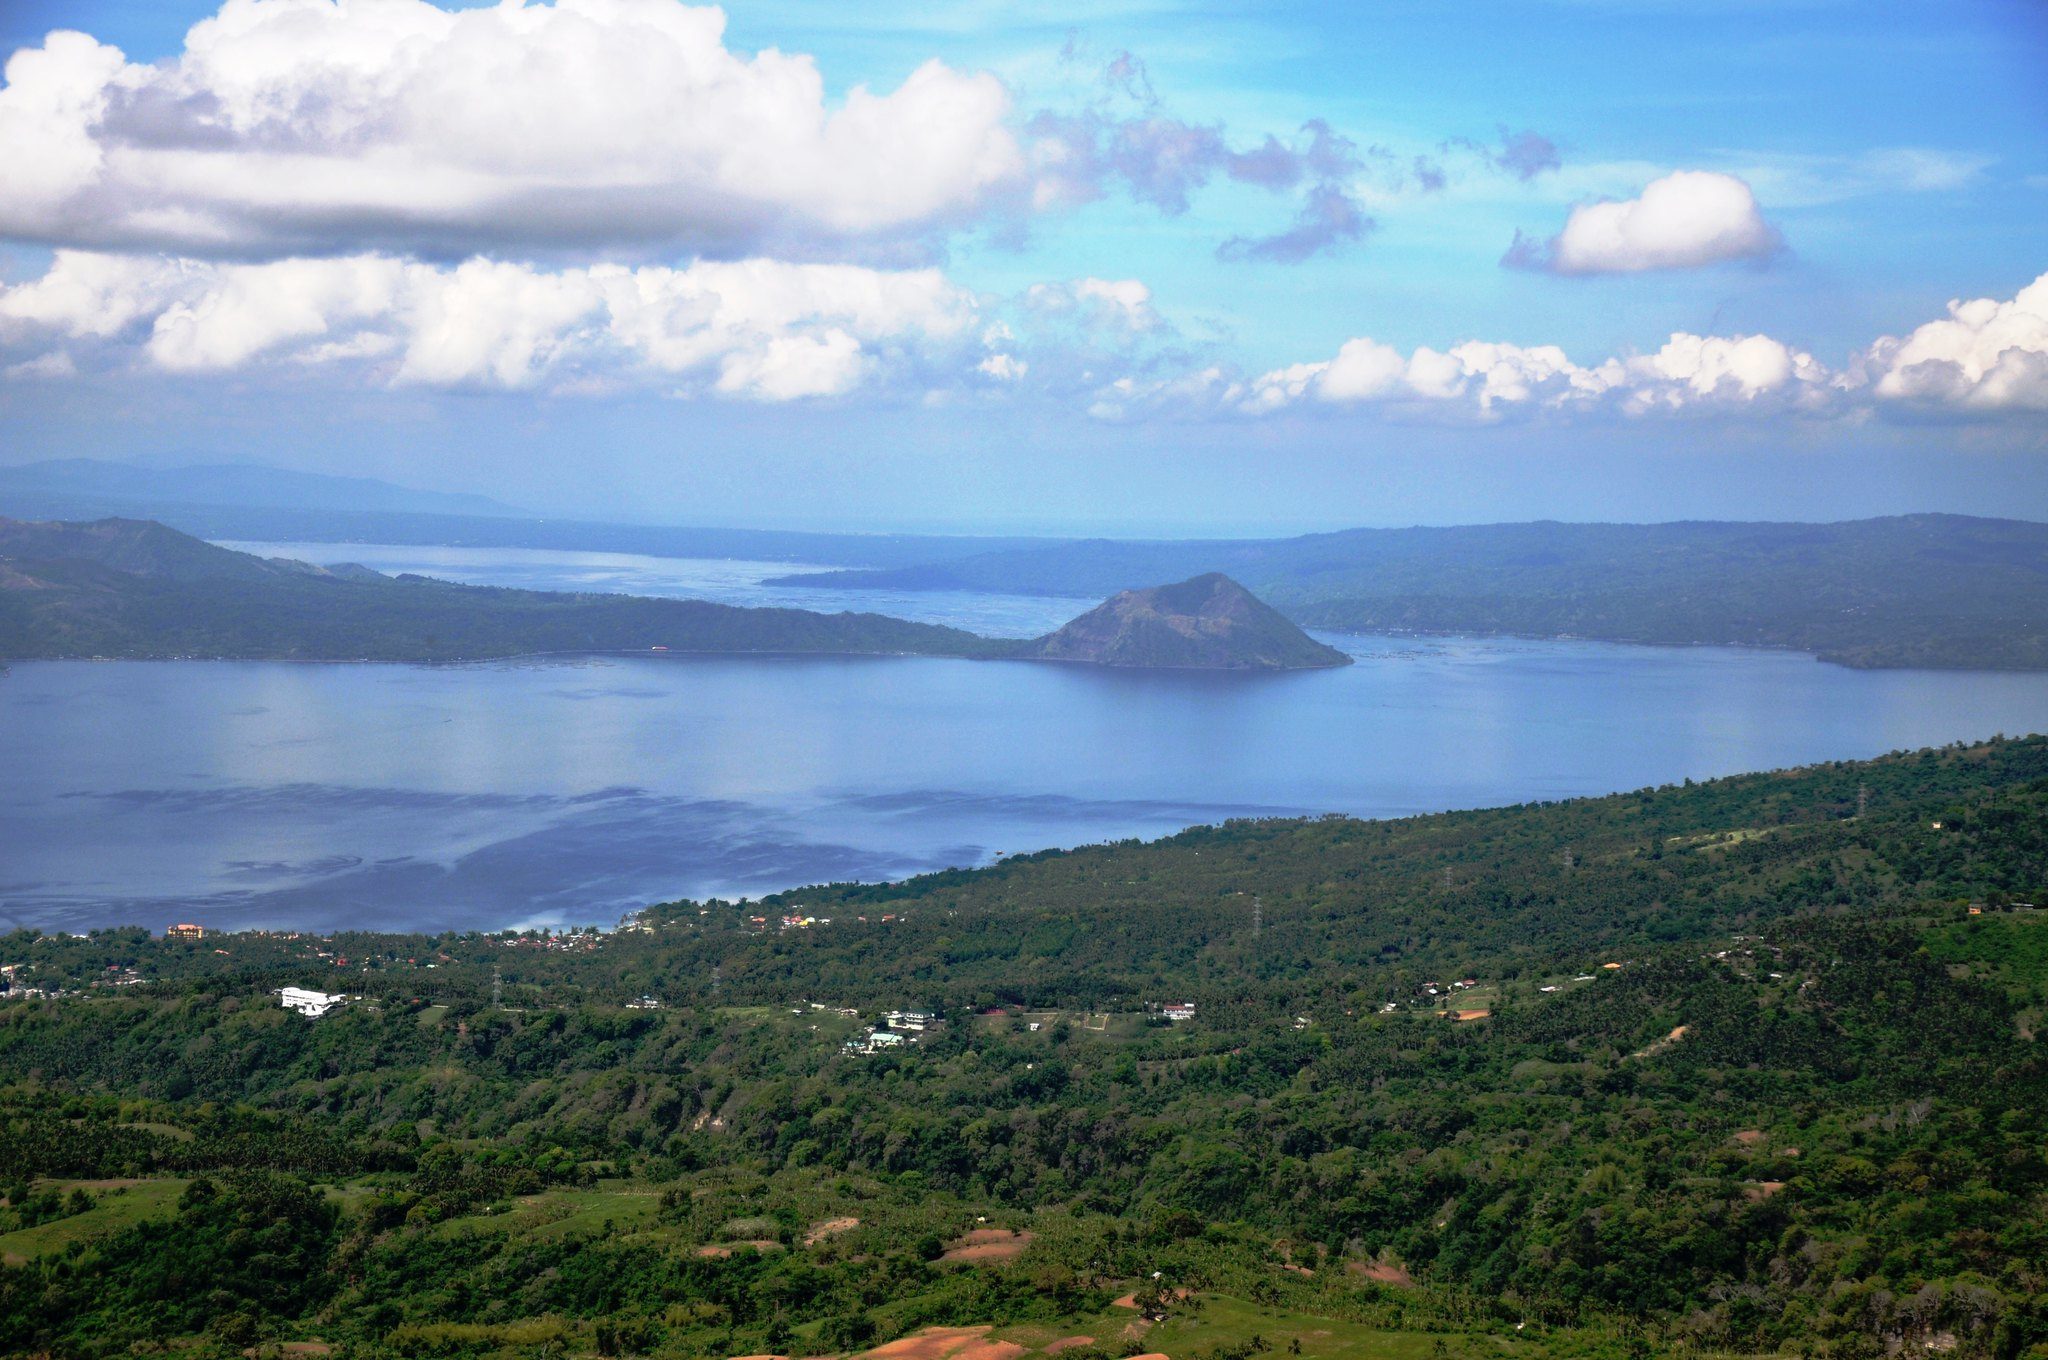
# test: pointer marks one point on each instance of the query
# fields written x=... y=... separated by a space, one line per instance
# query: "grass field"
x=118 y=1204
x=568 y=1211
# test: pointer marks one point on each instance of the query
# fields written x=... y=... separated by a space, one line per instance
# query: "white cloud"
x=1985 y=355
x=763 y=329
x=770 y=330
x=1487 y=380
x=304 y=126
x=1684 y=220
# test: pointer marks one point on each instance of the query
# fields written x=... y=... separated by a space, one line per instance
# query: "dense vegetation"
x=1918 y=590
x=130 y=588
x=1806 y=1114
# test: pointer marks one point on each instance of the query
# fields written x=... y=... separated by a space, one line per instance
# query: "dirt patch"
x=988 y=1244
x=1383 y=1272
x=1750 y=1137
x=722 y=1250
x=1066 y=1343
x=988 y=1350
x=831 y=1227
x=1656 y=1046
x=933 y=1343
x=1762 y=1190
x=1462 y=1016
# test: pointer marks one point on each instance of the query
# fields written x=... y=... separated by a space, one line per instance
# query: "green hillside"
x=132 y=588
x=1730 y=1068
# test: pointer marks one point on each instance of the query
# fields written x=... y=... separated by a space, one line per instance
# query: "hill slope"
x=1744 y=1077
x=131 y=588
x=1207 y=623
x=1916 y=590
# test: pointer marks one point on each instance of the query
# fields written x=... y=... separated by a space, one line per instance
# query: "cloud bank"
x=771 y=330
x=1987 y=359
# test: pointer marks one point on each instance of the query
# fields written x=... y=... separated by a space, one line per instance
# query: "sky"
x=1129 y=267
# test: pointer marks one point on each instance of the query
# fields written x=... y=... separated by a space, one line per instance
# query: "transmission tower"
x=1862 y=800
x=497 y=988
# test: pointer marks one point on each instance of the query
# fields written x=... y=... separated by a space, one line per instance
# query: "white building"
x=916 y=1021
x=308 y=1002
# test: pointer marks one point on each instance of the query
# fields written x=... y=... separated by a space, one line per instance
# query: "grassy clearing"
x=568 y=1211
x=115 y=1207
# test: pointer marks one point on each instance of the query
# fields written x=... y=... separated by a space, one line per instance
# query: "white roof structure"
x=308 y=1002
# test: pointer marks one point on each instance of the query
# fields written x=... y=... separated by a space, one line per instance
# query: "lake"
x=405 y=797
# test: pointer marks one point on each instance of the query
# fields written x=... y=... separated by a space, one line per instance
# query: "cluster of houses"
x=897 y=1028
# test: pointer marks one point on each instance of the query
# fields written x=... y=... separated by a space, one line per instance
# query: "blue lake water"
x=257 y=793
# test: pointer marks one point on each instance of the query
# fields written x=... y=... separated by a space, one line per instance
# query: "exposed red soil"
x=1382 y=1271
x=988 y=1244
x=936 y=1343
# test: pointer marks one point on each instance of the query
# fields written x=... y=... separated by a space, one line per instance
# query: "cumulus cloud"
x=302 y=126
x=763 y=329
x=1685 y=220
x=1985 y=356
x=1986 y=359
x=1488 y=380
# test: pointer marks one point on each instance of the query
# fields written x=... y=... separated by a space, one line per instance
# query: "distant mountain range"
x=1944 y=591
x=1207 y=623
x=1919 y=590
x=134 y=588
x=71 y=482
x=241 y=501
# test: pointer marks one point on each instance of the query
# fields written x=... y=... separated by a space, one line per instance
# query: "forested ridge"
x=1909 y=590
x=131 y=588
x=1805 y=1112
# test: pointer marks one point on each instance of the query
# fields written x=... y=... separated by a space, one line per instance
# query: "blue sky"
x=1123 y=267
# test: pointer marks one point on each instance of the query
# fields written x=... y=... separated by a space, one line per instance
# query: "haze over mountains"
x=1916 y=590
x=71 y=483
x=134 y=588
x=1943 y=591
